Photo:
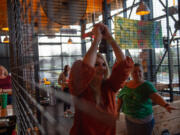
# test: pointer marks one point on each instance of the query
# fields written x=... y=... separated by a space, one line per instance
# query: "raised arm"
x=90 y=57
x=116 y=48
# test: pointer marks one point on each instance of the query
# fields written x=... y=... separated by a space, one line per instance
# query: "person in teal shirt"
x=135 y=99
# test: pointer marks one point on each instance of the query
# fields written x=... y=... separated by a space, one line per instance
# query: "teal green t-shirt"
x=136 y=101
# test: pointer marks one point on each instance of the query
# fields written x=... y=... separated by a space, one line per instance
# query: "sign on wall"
x=131 y=34
x=68 y=31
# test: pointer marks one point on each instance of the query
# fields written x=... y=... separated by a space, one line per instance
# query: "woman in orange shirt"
x=93 y=88
x=63 y=80
x=64 y=77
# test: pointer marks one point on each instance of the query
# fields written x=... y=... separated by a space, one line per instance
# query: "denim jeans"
x=139 y=129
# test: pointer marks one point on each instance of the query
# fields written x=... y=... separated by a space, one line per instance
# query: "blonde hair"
x=107 y=74
x=5 y=70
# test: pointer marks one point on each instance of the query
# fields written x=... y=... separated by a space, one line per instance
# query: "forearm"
x=116 y=48
x=90 y=57
x=160 y=101
x=156 y=98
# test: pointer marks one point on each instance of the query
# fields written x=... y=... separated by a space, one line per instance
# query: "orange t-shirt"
x=92 y=119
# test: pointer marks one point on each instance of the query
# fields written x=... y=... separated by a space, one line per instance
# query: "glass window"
x=49 y=50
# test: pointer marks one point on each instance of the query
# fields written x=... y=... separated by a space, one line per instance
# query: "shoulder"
x=76 y=64
x=123 y=91
x=61 y=75
x=128 y=82
x=8 y=77
x=79 y=66
x=148 y=83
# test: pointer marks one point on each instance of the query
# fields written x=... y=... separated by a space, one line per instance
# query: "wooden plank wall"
x=163 y=120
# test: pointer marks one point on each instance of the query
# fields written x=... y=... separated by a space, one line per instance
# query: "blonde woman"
x=94 y=88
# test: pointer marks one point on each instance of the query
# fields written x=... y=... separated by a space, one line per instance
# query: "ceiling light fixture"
x=5 y=29
x=142 y=9
x=6 y=40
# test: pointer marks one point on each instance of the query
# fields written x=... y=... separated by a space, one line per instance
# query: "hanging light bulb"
x=69 y=41
x=142 y=9
x=5 y=29
x=6 y=40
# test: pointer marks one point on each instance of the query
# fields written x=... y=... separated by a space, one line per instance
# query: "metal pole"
x=178 y=45
x=178 y=62
x=127 y=53
x=83 y=42
x=179 y=12
x=151 y=62
x=124 y=10
x=131 y=8
x=124 y=7
x=36 y=70
x=157 y=69
x=104 y=47
x=169 y=54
